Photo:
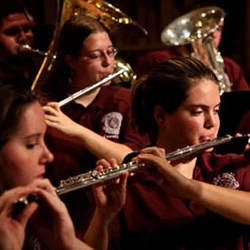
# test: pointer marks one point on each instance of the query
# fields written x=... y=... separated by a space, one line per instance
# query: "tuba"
x=191 y=33
x=111 y=17
x=127 y=78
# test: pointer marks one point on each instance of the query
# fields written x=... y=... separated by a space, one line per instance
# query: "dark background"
x=154 y=16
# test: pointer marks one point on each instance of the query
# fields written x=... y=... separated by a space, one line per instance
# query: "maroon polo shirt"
x=235 y=75
x=154 y=219
x=109 y=116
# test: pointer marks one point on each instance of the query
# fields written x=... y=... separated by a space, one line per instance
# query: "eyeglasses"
x=98 y=55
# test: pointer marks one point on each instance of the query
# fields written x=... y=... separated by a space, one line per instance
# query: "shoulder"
x=153 y=57
x=231 y=65
x=118 y=93
x=235 y=74
x=147 y=61
x=218 y=161
x=239 y=164
x=229 y=170
x=229 y=61
x=158 y=54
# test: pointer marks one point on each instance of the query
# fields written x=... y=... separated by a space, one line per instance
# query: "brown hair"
x=72 y=35
x=14 y=97
x=167 y=86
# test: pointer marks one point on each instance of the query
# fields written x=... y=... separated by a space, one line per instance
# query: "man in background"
x=16 y=29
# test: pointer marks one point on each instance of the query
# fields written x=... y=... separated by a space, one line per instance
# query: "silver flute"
x=90 y=88
x=94 y=177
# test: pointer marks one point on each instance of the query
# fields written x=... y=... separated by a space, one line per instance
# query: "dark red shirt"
x=235 y=75
x=109 y=116
x=153 y=219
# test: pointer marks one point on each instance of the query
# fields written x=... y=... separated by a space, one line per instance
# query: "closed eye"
x=197 y=112
x=31 y=145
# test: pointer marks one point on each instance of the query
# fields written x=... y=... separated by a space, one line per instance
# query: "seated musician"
x=169 y=203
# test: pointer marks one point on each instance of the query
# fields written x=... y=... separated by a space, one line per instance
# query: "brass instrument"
x=111 y=17
x=128 y=76
x=26 y=48
x=191 y=33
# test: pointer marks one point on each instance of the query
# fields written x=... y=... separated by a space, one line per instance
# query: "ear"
x=69 y=61
x=160 y=115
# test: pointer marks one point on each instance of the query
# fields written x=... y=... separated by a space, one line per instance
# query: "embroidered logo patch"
x=226 y=180
x=112 y=124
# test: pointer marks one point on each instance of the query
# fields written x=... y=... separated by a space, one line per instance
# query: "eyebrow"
x=98 y=50
x=37 y=135
x=202 y=105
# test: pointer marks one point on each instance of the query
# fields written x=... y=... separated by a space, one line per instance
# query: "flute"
x=90 y=88
x=94 y=177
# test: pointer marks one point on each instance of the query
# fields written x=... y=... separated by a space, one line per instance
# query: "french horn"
x=190 y=34
x=111 y=17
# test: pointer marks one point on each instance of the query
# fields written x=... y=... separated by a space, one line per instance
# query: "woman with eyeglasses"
x=95 y=125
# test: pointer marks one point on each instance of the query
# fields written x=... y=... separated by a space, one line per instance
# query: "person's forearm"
x=231 y=203
x=97 y=234
x=228 y=202
x=100 y=146
x=80 y=245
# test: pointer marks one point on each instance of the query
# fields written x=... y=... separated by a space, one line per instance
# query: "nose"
x=211 y=120
x=46 y=156
x=107 y=59
x=25 y=37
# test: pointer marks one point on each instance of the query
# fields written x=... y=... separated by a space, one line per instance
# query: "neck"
x=186 y=168
x=76 y=84
x=183 y=164
x=88 y=98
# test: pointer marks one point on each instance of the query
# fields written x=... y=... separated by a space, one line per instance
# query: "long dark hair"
x=15 y=95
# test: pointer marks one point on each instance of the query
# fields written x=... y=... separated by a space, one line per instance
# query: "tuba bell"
x=111 y=17
x=190 y=34
x=127 y=78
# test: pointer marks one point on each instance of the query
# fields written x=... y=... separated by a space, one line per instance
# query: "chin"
x=209 y=149
x=106 y=84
